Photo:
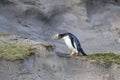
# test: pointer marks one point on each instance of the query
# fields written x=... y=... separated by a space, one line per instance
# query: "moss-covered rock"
x=13 y=51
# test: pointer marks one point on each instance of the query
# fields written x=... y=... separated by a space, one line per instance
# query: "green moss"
x=105 y=57
x=13 y=51
x=4 y=34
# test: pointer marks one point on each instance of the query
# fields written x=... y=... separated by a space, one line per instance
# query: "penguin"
x=72 y=43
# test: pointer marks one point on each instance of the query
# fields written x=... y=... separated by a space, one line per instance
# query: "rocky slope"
x=47 y=64
x=94 y=22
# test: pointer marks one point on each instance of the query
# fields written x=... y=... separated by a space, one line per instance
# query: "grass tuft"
x=4 y=34
x=105 y=57
x=13 y=51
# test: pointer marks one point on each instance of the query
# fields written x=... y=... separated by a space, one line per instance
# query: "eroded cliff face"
x=47 y=64
x=94 y=22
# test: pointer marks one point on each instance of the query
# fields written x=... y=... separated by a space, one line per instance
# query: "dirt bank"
x=94 y=22
x=47 y=64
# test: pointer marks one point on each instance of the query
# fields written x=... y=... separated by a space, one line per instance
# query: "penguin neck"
x=65 y=37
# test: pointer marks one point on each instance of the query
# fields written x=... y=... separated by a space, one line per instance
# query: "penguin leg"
x=73 y=54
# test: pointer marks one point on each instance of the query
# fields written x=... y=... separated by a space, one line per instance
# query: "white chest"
x=69 y=44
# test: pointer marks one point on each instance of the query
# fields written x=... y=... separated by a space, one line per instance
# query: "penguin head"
x=59 y=36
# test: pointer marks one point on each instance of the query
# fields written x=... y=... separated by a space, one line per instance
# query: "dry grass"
x=13 y=51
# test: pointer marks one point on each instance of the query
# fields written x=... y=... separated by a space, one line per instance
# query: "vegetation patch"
x=4 y=34
x=105 y=57
x=13 y=51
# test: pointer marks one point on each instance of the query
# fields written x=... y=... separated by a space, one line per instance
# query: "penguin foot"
x=73 y=54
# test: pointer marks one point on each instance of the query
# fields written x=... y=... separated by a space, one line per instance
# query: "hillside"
x=34 y=22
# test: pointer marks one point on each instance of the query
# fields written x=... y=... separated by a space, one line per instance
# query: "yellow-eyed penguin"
x=72 y=43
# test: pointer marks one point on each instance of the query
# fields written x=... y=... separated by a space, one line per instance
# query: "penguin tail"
x=83 y=53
